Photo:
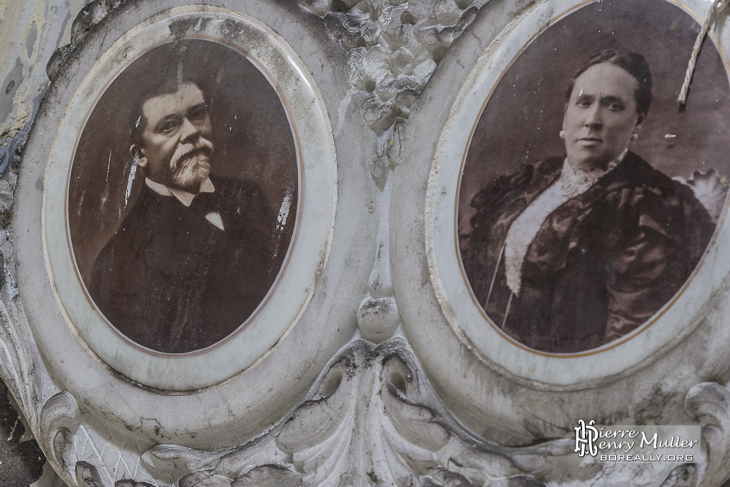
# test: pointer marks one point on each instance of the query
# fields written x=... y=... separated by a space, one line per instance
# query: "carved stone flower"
x=710 y=189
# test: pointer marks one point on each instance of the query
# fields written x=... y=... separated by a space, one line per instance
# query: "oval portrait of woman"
x=589 y=196
x=183 y=195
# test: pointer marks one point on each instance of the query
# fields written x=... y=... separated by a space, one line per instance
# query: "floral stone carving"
x=372 y=418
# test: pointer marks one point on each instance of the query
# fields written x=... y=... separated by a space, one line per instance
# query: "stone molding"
x=379 y=403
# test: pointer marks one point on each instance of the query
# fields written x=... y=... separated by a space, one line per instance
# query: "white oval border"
x=308 y=251
x=454 y=295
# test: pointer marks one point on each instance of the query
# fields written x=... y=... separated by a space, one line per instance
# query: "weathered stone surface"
x=22 y=459
x=383 y=406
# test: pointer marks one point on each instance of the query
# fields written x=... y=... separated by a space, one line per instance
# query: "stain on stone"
x=181 y=27
x=524 y=481
x=86 y=474
x=87 y=19
x=440 y=476
x=682 y=476
x=58 y=59
x=154 y=423
x=62 y=31
x=31 y=38
x=5 y=218
x=659 y=401
x=408 y=18
x=342 y=5
x=13 y=152
x=268 y=475
x=90 y=16
x=232 y=28
x=21 y=145
x=131 y=483
x=439 y=53
x=2 y=274
x=10 y=83
x=463 y=4
x=22 y=461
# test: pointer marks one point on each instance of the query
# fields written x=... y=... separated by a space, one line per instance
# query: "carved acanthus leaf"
x=372 y=418
x=17 y=352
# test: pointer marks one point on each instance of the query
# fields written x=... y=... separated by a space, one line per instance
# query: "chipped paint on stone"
x=31 y=32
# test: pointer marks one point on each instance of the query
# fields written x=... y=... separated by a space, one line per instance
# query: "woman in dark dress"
x=573 y=252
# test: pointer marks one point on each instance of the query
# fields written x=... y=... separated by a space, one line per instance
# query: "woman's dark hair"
x=633 y=63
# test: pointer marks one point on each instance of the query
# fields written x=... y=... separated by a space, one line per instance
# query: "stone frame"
x=526 y=397
x=370 y=383
x=317 y=167
x=220 y=398
x=679 y=143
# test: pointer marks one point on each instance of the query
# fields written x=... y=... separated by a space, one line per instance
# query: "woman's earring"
x=562 y=134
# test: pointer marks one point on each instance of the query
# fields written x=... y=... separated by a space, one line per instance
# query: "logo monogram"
x=585 y=437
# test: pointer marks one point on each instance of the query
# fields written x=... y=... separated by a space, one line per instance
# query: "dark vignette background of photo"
x=251 y=132
x=524 y=115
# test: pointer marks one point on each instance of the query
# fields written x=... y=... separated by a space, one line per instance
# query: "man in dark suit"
x=196 y=255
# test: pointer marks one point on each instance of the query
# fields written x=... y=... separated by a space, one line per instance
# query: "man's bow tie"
x=206 y=203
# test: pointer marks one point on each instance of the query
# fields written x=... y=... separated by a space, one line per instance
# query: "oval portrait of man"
x=182 y=196
x=589 y=196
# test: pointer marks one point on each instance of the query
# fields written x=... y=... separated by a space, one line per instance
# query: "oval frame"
x=448 y=276
x=103 y=182
x=240 y=407
x=486 y=396
x=316 y=161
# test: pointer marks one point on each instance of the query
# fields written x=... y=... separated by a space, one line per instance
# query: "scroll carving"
x=60 y=418
x=709 y=404
x=373 y=418
x=370 y=418
x=17 y=365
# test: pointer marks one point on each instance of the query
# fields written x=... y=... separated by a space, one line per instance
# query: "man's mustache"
x=184 y=150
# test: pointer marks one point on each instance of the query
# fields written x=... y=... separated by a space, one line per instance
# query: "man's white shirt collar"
x=187 y=198
x=184 y=197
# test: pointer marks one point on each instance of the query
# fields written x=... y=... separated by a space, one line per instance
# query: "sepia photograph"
x=589 y=195
x=183 y=195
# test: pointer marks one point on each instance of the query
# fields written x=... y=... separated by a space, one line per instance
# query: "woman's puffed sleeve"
x=663 y=234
